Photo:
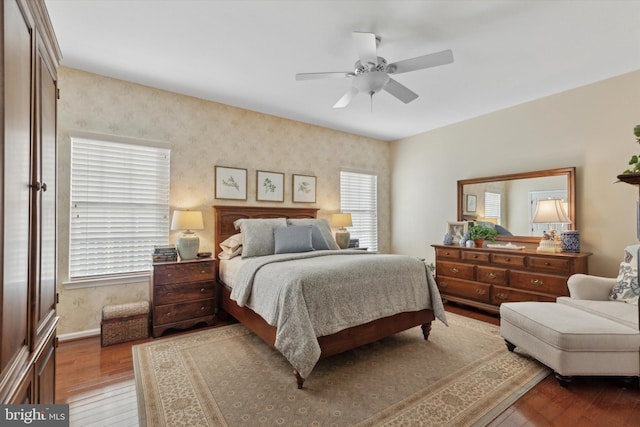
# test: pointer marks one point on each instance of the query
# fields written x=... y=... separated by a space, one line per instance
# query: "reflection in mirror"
x=510 y=201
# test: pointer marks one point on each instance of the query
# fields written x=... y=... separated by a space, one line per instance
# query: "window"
x=119 y=207
x=359 y=197
x=492 y=206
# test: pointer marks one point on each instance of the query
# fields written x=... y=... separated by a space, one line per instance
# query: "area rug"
x=462 y=376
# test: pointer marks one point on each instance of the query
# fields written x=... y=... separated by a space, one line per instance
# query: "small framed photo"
x=470 y=203
x=457 y=229
x=269 y=186
x=231 y=183
x=304 y=189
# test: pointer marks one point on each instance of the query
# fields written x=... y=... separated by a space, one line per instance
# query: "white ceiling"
x=246 y=53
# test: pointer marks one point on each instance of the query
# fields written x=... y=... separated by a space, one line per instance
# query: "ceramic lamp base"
x=342 y=239
x=188 y=246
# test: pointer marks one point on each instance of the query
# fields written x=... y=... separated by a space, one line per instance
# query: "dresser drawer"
x=183 y=272
x=493 y=275
x=169 y=294
x=500 y=294
x=476 y=256
x=463 y=288
x=552 y=264
x=455 y=269
x=539 y=282
x=183 y=311
x=447 y=253
x=508 y=259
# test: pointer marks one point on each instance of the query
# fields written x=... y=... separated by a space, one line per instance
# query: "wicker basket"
x=124 y=322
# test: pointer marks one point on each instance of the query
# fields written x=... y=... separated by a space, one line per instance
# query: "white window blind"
x=359 y=197
x=119 y=207
x=492 y=206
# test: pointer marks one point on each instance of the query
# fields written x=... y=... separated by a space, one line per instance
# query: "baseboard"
x=79 y=335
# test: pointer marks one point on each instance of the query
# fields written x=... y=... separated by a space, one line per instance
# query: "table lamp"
x=551 y=212
x=188 y=243
x=342 y=220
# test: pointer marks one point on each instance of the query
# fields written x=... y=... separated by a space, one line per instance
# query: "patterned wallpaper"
x=201 y=134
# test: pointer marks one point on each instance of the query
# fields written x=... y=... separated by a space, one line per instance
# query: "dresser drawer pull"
x=537 y=282
x=481 y=291
x=169 y=274
x=502 y=296
x=547 y=263
x=204 y=272
x=475 y=256
x=492 y=275
x=169 y=294
x=169 y=314
x=443 y=284
x=202 y=308
x=507 y=259
x=202 y=290
x=447 y=253
x=454 y=270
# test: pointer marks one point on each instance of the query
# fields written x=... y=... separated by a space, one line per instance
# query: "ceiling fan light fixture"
x=371 y=82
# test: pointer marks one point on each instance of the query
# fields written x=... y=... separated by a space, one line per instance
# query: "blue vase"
x=448 y=239
x=570 y=241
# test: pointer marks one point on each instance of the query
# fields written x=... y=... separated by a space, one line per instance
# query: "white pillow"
x=257 y=235
x=232 y=243
x=229 y=253
x=626 y=288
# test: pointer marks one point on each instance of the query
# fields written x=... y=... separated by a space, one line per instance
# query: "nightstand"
x=182 y=294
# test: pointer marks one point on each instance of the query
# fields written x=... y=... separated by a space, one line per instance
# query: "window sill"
x=106 y=281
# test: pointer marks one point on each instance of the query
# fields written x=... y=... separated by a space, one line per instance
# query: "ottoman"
x=124 y=322
x=570 y=341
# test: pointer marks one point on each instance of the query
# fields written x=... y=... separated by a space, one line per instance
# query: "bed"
x=329 y=344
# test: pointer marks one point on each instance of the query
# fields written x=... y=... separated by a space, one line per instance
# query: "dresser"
x=182 y=294
x=485 y=278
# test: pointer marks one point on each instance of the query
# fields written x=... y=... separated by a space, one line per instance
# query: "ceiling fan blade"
x=401 y=92
x=366 y=46
x=421 y=62
x=346 y=98
x=312 y=76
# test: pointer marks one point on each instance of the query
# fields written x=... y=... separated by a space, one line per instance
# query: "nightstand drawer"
x=181 y=272
x=183 y=311
x=169 y=294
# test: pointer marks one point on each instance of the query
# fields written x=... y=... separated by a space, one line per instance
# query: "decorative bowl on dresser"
x=486 y=277
x=182 y=294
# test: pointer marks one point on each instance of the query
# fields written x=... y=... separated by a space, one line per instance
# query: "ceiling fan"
x=372 y=71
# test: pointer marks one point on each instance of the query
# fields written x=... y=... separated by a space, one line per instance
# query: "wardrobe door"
x=16 y=157
x=44 y=179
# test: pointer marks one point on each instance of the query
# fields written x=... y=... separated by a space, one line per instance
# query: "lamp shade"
x=550 y=211
x=341 y=220
x=187 y=220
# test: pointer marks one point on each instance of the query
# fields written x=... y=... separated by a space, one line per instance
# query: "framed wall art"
x=230 y=183
x=269 y=186
x=471 y=203
x=304 y=189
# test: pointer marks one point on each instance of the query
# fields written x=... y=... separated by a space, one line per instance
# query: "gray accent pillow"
x=292 y=239
x=257 y=235
x=324 y=228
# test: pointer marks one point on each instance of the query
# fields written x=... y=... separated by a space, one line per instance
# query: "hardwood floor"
x=98 y=385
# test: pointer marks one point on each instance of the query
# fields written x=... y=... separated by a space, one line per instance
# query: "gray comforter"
x=312 y=294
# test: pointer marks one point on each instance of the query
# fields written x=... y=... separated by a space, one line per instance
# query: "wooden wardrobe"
x=28 y=62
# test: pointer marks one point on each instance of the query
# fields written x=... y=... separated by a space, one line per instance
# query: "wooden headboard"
x=224 y=216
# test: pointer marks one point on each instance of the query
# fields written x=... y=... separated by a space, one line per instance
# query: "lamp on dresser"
x=550 y=211
x=188 y=243
x=342 y=220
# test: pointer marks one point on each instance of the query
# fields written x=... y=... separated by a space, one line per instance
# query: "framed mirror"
x=510 y=202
